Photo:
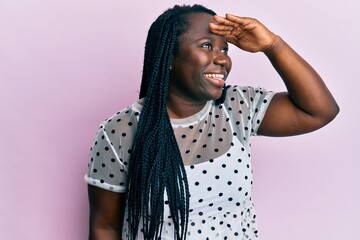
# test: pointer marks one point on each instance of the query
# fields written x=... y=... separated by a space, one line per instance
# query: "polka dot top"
x=216 y=150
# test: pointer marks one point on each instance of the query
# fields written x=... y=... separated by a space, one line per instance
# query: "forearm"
x=104 y=233
x=305 y=87
x=106 y=214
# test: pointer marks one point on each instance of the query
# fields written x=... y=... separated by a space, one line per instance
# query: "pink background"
x=66 y=65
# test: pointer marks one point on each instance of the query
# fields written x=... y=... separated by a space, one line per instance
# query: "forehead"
x=199 y=30
x=199 y=23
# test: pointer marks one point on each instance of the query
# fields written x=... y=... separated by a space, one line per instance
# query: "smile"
x=215 y=75
x=216 y=79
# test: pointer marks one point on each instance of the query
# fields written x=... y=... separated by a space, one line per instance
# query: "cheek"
x=229 y=65
x=195 y=61
x=202 y=58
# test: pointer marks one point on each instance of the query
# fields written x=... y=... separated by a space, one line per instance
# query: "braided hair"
x=156 y=165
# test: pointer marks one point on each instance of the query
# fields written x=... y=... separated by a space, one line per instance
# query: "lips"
x=215 y=75
x=218 y=79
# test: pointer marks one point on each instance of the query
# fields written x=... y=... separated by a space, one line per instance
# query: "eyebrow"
x=211 y=38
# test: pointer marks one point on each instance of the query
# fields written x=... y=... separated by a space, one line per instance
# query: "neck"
x=179 y=108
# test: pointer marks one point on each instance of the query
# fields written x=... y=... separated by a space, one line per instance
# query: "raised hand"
x=246 y=33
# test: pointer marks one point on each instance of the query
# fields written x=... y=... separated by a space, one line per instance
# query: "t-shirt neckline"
x=193 y=119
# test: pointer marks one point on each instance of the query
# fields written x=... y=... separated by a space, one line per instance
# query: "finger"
x=237 y=19
x=221 y=33
x=231 y=39
x=218 y=27
x=219 y=19
x=224 y=21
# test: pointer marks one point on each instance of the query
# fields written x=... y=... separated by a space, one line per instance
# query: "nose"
x=221 y=59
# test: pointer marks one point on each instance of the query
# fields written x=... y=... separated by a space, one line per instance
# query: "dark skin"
x=106 y=213
x=306 y=106
x=201 y=54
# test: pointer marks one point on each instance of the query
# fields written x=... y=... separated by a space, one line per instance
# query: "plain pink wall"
x=66 y=65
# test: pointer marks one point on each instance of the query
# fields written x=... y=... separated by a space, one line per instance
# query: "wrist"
x=275 y=46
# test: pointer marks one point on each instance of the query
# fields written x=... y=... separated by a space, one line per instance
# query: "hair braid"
x=156 y=165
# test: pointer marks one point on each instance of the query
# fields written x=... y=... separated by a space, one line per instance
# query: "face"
x=201 y=65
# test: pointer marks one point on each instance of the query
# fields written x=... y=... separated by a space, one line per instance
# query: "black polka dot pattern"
x=110 y=151
x=220 y=193
x=215 y=147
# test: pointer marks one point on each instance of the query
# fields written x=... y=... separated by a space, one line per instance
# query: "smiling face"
x=201 y=63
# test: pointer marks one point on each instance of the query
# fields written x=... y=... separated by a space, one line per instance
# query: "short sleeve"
x=260 y=100
x=248 y=106
x=110 y=152
x=106 y=168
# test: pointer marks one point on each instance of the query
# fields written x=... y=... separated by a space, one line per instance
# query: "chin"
x=217 y=95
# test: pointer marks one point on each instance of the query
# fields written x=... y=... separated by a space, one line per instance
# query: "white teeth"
x=215 y=75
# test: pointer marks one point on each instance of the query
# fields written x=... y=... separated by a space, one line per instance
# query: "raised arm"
x=106 y=214
x=308 y=104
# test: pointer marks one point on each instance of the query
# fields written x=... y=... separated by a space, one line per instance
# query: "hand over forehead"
x=244 y=32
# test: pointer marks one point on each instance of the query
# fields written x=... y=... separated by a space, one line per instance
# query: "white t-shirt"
x=216 y=150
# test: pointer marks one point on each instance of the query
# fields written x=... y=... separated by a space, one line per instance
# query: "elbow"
x=331 y=113
x=335 y=111
x=324 y=115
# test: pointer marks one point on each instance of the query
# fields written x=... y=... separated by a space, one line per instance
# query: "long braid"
x=157 y=176
x=147 y=136
x=155 y=161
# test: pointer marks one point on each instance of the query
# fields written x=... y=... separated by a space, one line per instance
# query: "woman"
x=176 y=164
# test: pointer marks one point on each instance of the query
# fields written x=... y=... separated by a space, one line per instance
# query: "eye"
x=225 y=50
x=207 y=45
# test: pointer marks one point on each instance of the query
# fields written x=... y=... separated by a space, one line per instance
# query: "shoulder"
x=126 y=117
x=121 y=126
x=245 y=92
x=247 y=95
